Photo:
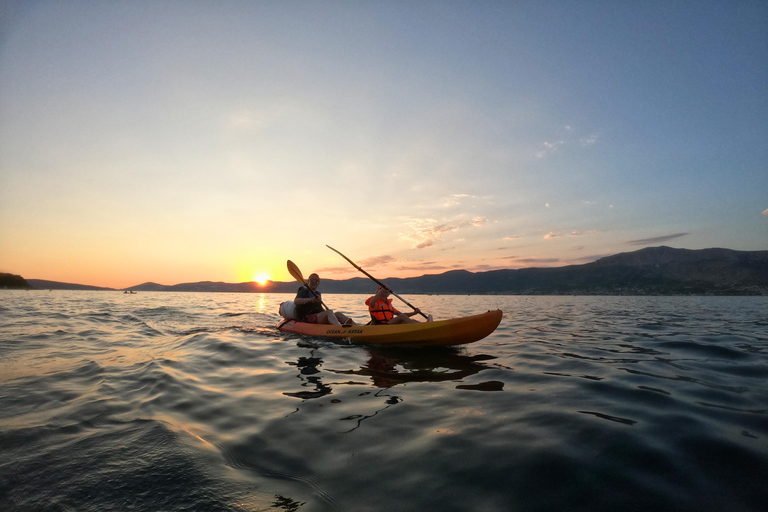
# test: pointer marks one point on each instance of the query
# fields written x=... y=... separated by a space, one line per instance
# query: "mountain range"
x=649 y=271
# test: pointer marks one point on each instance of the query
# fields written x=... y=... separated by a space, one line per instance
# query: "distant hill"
x=209 y=286
x=42 y=284
x=12 y=281
x=654 y=271
x=649 y=271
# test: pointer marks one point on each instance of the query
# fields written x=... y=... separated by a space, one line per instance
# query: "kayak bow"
x=455 y=331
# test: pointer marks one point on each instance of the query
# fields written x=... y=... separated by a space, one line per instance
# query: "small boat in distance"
x=455 y=331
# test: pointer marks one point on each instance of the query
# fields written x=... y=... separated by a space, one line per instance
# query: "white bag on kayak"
x=288 y=310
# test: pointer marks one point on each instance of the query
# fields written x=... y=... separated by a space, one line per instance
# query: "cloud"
x=332 y=270
x=372 y=262
x=425 y=244
x=518 y=259
x=553 y=234
x=512 y=237
x=424 y=233
x=547 y=148
x=765 y=212
x=656 y=240
x=429 y=265
x=458 y=199
x=587 y=259
x=453 y=200
x=376 y=261
x=537 y=260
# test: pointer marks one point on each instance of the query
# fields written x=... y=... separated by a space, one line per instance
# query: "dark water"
x=161 y=401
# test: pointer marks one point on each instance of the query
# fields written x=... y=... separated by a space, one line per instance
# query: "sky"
x=182 y=141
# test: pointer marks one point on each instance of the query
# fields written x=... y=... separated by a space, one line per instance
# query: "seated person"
x=309 y=306
x=383 y=312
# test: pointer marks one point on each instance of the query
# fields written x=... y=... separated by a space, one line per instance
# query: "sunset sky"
x=179 y=141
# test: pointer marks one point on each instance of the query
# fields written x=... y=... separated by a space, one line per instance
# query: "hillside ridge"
x=650 y=271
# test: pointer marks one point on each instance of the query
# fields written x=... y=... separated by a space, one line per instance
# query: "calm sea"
x=164 y=401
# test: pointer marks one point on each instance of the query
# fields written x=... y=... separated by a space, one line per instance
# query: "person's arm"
x=302 y=296
x=376 y=298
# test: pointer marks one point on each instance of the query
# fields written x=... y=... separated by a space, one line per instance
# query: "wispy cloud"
x=539 y=260
x=547 y=148
x=376 y=261
x=453 y=200
x=458 y=199
x=368 y=263
x=586 y=259
x=372 y=262
x=426 y=232
x=585 y=233
x=424 y=266
x=536 y=260
x=656 y=240
x=557 y=234
x=332 y=270
x=765 y=212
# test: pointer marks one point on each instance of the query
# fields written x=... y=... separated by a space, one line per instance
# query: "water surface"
x=194 y=401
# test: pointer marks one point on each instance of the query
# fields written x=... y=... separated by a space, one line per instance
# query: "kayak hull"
x=455 y=331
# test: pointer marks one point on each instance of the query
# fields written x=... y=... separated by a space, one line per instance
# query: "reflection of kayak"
x=387 y=367
x=455 y=331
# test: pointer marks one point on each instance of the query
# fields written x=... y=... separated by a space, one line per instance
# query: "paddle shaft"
x=376 y=280
x=296 y=273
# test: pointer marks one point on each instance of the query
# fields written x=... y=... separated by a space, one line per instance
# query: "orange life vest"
x=381 y=312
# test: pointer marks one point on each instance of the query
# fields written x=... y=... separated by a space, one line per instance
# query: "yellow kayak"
x=455 y=331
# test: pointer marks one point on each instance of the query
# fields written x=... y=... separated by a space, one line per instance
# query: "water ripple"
x=163 y=401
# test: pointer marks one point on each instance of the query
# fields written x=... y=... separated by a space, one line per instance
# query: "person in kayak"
x=309 y=306
x=383 y=312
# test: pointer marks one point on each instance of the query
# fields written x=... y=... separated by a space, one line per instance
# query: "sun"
x=261 y=277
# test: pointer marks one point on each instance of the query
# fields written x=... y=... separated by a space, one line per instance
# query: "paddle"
x=296 y=273
x=376 y=281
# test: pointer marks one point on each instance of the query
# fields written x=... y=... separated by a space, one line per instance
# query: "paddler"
x=309 y=306
x=383 y=312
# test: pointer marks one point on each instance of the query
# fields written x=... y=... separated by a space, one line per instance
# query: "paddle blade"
x=295 y=272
